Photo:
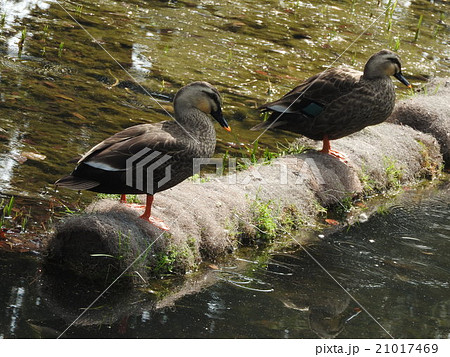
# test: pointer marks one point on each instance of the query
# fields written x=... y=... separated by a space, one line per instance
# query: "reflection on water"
x=8 y=160
x=14 y=11
x=393 y=267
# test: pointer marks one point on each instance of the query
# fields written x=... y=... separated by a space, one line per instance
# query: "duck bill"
x=221 y=120
x=402 y=79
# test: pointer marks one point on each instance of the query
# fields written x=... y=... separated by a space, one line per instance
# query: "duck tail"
x=269 y=124
x=260 y=126
x=76 y=183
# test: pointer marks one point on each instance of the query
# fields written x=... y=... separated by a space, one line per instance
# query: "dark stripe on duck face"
x=215 y=97
x=217 y=113
x=397 y=65
x=399 y=74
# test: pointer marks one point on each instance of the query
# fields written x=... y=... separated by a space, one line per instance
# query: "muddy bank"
x=270 y=204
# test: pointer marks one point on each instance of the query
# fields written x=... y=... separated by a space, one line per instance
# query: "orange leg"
x=147 y=215
x=326 y=149
x=153 y=220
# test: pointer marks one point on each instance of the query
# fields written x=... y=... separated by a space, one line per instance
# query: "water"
x=61 y=93
x=393 y=267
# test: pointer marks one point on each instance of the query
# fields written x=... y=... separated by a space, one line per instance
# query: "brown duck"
x=150 y=158
x=338 y=102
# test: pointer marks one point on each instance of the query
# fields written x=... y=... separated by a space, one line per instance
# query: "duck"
x=338 y=101
x=153 y=157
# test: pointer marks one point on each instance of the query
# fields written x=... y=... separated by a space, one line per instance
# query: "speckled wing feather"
x=322 y=89
x=114 y=151
x=297 y=110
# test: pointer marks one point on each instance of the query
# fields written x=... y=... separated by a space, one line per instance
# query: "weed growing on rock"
x=393 y=173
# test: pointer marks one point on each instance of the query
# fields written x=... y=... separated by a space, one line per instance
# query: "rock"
x=428 y=113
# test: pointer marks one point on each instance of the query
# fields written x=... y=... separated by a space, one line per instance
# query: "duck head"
x=202 y=96
x=385 y=63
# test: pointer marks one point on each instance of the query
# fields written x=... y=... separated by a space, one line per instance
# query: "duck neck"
x=197 y=123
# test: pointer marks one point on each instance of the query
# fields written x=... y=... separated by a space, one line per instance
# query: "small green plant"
x=353 y=59
x=396 y=45
x=60 y=50
x=319 y=208
x=345 y=205
x=369 y=184
x=263 y=219
x=23 y=35
x=116 y=197
x=12 y=217
x=7 y=209
x=394 y=175
x=291 y=149
x=45 y=33
x=429 y=169
x=383 y=210
x=197 y=178
x=24 y=221
x=269 y=88
x=3 y=20
x=292 y=219
x=419 y=25
x=439 y=26
x=165 y=261
x=254 y=155
x=230 y=55
x=79 y=10
x=389 y=13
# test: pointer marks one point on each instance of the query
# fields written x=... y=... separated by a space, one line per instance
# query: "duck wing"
x=105 y=164
x=112 y=153
x=311 y=97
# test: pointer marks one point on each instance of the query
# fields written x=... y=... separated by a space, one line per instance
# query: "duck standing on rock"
x=150 y=158
x=338 y=101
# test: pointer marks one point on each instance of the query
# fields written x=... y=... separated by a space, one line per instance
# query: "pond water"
x=72 y=76
x=394 y=267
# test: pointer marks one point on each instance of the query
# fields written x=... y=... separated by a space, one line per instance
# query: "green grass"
x=60 y=50
x=263 y=219
x=394 y=174
x=389 y=13
x=116 y=197
x=11 y=217
x=253 y=154
x=369 y=184
x=419 y=25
